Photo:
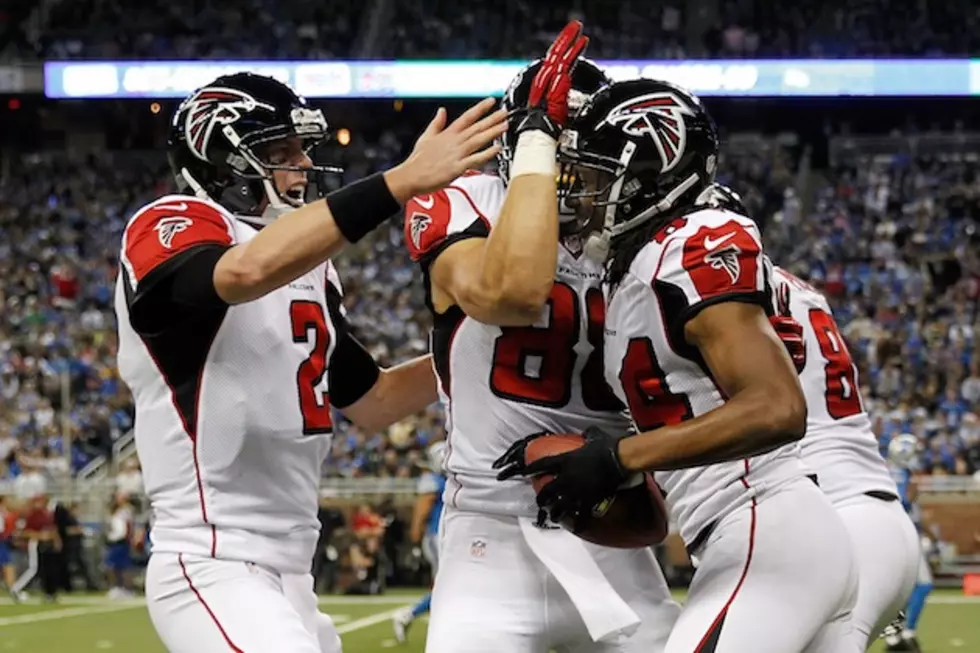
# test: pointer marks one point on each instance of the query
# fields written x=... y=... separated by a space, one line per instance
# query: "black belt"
x=881 y=495
x=700 y=538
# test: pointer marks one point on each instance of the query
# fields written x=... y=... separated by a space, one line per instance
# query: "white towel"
x=605 y=613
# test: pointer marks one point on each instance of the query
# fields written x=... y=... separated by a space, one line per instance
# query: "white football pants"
x=887 y=550
x=204 y=605
x=492 y=593
x=774 y=577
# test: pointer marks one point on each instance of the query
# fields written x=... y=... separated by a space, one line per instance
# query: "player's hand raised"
x=443 y=153
x=547 y=106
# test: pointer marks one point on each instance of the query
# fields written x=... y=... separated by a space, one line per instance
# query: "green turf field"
x=951 y=624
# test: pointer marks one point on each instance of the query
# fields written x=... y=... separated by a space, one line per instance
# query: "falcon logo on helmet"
x=213 y=106
x=167 y=228
x=659 y=116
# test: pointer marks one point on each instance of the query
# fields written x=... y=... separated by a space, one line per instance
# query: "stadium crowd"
x=298 y=29
x=892 y=241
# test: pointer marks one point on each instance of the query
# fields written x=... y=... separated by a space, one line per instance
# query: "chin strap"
x=269 y=215
x=597 y=245
x=272 y=212
x=194 y=185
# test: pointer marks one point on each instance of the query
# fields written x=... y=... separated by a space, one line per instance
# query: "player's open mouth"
x=296 y=193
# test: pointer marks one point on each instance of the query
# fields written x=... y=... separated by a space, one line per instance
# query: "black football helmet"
x=587 y=78
x=218 y=141
x=637 y=153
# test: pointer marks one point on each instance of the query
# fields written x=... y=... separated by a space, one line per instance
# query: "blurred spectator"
x=8 y=446
x=8 y=524
x=366 y=523
x=72 y=559
x=118 y=554
x=31 y=483
x=326 y=560
x=970 y=388
x=40 y=531
x=129 y=480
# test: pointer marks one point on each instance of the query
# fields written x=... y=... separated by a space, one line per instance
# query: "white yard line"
x=70 y=599
x=953 y=600
x=394 y=599
x=366 y=622
x=52 y=615
x=391 y=599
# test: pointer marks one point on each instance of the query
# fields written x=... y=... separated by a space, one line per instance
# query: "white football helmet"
x=903 y=449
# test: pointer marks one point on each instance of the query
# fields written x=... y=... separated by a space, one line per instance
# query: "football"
x=635 y=517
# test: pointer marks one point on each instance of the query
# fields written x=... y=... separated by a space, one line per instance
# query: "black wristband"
x=359 y=208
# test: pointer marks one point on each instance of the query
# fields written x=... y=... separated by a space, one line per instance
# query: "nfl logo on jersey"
x=478 y=548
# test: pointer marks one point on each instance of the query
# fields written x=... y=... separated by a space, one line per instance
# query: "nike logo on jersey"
x=176 y=208
x=713 y=244
x=428 y=203
x=167 y=228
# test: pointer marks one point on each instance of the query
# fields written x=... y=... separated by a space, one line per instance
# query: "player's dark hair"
x=623 y=250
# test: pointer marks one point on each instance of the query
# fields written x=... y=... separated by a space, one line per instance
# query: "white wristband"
x=536 y=154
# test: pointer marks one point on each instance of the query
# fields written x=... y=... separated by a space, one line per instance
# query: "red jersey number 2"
x=309 y=324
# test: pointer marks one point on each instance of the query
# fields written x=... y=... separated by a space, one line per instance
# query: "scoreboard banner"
x=474 y=79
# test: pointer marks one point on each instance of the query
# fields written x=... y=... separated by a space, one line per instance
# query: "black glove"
x=584 y=478
x=547 y=106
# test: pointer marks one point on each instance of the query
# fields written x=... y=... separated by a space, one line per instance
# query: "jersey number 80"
x=534 y=365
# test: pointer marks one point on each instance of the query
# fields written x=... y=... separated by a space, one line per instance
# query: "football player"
x=234 y=342
x=902 y=453
x=424 y=531
x=842 y=449
x=710 y=387
x=517 y=344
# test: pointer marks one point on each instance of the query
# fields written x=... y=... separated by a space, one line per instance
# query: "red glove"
x=791 y=333
x=547 y=106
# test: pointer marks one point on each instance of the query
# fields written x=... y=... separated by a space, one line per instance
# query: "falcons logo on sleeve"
x=659 y=116
x=167 y=228
x=418 y=223
x=211 y=107
x=725 y=258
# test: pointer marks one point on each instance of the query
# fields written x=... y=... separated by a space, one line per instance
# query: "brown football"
x=635 y=517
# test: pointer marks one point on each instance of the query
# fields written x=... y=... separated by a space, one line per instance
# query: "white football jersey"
x=839 y=444
x=501 y=384
x=694 y=262
x=232 y=412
